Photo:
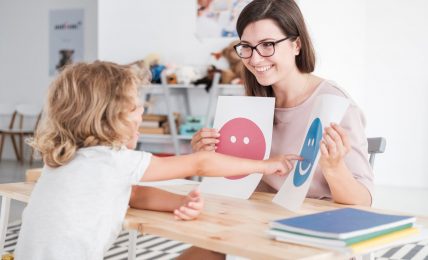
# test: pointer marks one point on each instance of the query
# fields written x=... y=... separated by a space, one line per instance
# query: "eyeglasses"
x=264 y=49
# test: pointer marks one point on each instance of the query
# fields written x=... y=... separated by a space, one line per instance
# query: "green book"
x=299 y=237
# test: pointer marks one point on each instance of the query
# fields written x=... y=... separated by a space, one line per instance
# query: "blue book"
x=341 y=223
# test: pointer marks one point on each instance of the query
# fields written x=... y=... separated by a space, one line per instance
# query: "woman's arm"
x=344 y=187
x=205 y=139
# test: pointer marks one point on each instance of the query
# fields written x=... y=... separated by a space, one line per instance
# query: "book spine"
x=382 y=240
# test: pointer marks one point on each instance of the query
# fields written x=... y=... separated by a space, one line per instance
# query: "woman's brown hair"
x=88 y=104
x=286 y=14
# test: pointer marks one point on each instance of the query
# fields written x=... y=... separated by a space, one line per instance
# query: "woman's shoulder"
x=331 y=87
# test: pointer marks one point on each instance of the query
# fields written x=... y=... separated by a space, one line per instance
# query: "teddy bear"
x=234 y=74
x=228 y=64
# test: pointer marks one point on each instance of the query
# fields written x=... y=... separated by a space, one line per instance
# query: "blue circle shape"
x=309 y=152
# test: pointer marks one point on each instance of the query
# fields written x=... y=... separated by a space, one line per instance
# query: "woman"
x=278 y=56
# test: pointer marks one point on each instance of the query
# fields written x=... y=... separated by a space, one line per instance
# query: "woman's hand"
x=280 y=164
x=205 y=140
x=192 y=206
x=334 y=146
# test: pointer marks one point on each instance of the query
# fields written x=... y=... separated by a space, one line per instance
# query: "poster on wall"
x=246 y=132
x=327 y=109
x=217 y=18
x=65 y=38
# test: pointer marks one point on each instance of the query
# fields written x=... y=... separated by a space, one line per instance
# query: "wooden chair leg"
x=1 y=144
x=21 y=147
x=15 y=147
x=31 y=156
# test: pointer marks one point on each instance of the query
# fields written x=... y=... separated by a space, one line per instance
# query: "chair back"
x=375 y=145
x=7 y=113
x=28 y=116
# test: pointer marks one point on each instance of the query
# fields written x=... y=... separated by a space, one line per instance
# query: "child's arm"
x=184 y=207
x=214 y=164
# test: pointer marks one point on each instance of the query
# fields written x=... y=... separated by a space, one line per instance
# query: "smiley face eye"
x=233 y=139
x=311 y=141
x=246 y=140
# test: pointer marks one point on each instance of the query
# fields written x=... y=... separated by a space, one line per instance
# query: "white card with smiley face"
x=245 y=127
x=327 y=109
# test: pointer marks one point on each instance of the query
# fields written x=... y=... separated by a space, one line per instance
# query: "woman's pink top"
x=289 y=131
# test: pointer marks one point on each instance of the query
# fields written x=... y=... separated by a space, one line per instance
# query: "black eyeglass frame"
x=255 y=47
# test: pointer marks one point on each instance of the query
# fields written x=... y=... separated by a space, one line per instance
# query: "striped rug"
x=148 y=246
x=152 y=247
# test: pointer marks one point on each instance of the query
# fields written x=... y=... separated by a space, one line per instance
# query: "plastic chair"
x=375 y=145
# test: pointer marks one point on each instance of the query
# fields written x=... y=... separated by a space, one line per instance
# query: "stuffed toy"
x=234 y=74
x=152 y=62
x=226 y=62
x=208 y=79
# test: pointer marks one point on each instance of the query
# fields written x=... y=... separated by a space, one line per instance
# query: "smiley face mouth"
x=304 y=171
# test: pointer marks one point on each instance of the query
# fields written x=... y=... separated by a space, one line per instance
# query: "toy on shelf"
x=141 y=70
x=208 y=79
x=228 y=63
x=192 y=125
x=235 y=73
x=152 y=61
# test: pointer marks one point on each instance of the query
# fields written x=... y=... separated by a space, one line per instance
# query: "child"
x=86 y=137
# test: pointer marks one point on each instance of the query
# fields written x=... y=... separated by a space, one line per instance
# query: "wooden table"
x=231 y=226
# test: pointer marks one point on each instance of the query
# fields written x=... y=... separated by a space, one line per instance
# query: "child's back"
x=85 y=201
x=86 y=137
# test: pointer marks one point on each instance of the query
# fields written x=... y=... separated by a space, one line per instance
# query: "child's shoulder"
x=109 y=151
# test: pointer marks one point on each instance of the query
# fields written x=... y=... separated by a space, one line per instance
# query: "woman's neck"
x=295 y=89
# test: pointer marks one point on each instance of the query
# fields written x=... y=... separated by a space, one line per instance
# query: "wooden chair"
x=23 y=122
x=8 y=114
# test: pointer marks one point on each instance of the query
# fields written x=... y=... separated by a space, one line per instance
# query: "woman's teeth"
x=263 y=68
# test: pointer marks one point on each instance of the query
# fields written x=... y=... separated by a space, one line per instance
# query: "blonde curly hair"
x=88 y=104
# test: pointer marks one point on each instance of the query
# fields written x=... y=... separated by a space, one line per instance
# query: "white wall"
x=377 y=50
x=397 y=81
x=131 y=29
x=24 y=42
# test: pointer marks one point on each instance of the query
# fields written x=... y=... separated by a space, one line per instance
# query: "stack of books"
x=153 y=124
x=348 y=230
x=156 y=124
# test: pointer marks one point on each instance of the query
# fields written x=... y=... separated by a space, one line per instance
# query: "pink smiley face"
x=241 y=137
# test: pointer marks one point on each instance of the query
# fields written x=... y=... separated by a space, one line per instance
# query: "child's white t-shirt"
x=76 y=210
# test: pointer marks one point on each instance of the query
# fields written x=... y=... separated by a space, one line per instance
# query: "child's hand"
x=192 y=205
x=205 y=140
x=334 y=146
x=280 y=164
